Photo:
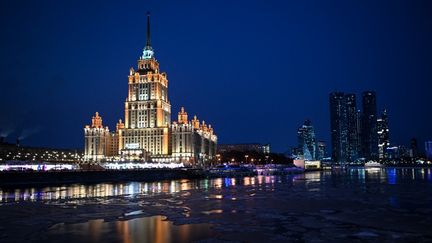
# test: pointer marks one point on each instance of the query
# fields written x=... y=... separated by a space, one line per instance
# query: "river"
x=391 y=204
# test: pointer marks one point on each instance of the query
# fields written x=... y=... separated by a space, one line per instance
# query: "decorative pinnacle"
x=148 y=50
x=148 y=43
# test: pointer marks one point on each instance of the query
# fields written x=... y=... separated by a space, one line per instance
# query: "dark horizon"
x=252 y=70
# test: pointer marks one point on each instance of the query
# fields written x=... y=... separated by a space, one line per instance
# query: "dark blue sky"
x=254 y=70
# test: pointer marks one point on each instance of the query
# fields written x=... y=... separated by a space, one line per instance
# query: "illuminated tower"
x=338 y=126
x=344 y=122
x=306 y=141
x=96 y=137
x=383 y=136
x=147 y=108
x=369 y=126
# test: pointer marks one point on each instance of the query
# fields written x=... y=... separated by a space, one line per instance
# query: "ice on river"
x=354 y=205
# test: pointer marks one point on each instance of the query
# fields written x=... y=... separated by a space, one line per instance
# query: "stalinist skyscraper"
x=147 y=108
x=147 y=133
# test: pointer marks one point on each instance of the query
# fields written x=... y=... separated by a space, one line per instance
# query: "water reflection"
x=312 y=180
x=84 y=191
x=391 y=176
x=147 y=229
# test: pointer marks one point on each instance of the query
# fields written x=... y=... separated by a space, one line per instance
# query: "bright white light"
x=130 y=165
x=38 y=167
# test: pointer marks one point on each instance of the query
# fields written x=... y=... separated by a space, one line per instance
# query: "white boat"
x=373 y=164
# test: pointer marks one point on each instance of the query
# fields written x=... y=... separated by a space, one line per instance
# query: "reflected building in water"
x=146 y=229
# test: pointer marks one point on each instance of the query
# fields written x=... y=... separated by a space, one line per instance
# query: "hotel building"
x=147 y=133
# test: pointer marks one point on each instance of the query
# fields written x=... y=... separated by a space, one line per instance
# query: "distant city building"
x=321 y=151
x=294 y=151
x=147 y=133
x=338 y=126
x=352 y=126
x=306 y=141
x=414 y=148
x=393 y=152
x=307 y=164
x=383 y=136
x=369 y=135
x=428 y=149
x=15 y=152
x=344 y=127
x=244 y=147
x=358 y=130
x=398 y=152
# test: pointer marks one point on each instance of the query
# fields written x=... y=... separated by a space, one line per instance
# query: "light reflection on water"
x=359 y=176
x=146 y=229
x=82 y=191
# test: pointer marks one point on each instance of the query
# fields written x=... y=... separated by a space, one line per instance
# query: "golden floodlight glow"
x=147 y=133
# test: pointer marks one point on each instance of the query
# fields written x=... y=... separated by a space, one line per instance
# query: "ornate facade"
x=147 y=133
x=192 y=143
x=96 y=140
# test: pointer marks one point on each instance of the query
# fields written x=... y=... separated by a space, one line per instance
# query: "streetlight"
x=246 y=156
x=218 y=156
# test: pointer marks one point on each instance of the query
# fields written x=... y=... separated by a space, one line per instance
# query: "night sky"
x=254 y=70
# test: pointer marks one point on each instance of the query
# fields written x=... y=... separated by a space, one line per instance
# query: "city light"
x=130 y=165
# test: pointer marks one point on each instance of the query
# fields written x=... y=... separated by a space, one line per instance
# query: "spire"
x=148 y=50
x=148 y=44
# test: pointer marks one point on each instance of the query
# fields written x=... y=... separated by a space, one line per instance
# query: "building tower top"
x=97 y=121
x=182 y=116
x=148 y=50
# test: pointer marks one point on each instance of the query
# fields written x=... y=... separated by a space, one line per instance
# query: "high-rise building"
x=306 y=141
x=147 y=133
x=344 y=127
x=414 y=148
x=369 y=135
x=352 y=126
x=147 y=108
x=358 y=130
x=321 y=151
x=383 y=136
x=338 y=126
x=244 y=147
x=428 y=149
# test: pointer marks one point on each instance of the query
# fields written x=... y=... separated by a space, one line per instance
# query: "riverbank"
x=22 y=178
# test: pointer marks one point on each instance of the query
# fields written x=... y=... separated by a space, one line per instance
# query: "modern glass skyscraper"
x=428 y=148
x=414 y=148
x=344 y=127
x=307 y=141
x=383 y=136
x=352 y=126
x=321 y=150
x=338 y=126
x=369 y=135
